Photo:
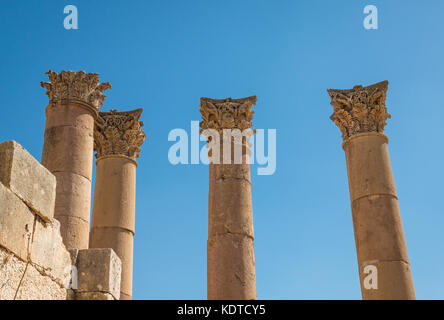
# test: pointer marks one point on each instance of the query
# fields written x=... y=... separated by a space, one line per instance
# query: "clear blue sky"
x=164 y=55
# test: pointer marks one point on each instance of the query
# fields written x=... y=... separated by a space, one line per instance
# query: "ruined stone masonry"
x=47 y=250
x=231 y=271
x=45 y=209
x=361 y=114
x=34 y=262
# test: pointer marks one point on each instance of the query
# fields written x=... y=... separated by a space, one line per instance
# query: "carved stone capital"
x=360 y=110
x=220 y=114
x=75 y=85
x=119 y=133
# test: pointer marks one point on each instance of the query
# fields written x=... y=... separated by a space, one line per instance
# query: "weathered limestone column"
x=117 y=140
x=230 y=247
x=384 y=268
x=74 y=101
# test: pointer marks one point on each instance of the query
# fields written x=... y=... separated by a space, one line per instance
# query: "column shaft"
x=384 y=268
x=68 y=154
x=117 y=140
x=113 y=220
x=230 y=247
x=377 y=223
x=74 y=101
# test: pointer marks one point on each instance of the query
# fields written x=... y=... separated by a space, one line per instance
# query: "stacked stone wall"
x=34 y=262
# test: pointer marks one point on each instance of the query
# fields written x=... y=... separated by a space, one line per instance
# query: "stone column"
x=74 y=101
x=384 y=268
x=117 y=140
x=230 y=248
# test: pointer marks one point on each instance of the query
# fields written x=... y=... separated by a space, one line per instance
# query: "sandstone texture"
x=45 y=208
x=99 y=270
x=34 y=263
x=117 y=140
x=74 y=101
x=94 y=296
x=231 y=271
x=361 y=114
x=17 y=169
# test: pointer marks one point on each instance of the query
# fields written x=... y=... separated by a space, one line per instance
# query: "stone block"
x=16 y=223
x=69 y=149
x=121 y=241
x=378 y=229
x=11 y=272
x=99 y=270
x=69 y=114
x=70 y=294
x=94 y=296
x=36 y=286
x=394 y=281
x=75 y=232
x=232 y=210
x=28 y=179
x=49 y=253
x=73 y=195
x=231 y=265
x=368 y=166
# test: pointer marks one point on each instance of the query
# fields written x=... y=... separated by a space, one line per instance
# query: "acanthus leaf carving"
x=360 y=110
x=231 y=114
x=119 y=133
x=75 y=85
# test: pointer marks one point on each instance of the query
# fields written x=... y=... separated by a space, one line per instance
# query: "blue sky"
x=164 y=55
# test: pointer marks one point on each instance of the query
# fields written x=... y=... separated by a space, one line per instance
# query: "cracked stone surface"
x=19 y=280
x=11 y=272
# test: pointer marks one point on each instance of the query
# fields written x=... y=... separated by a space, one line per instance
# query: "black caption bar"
x=229 y=310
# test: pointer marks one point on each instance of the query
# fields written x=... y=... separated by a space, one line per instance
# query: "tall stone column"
x=117 y=140
x=74 y=101
x=230 y=247
x=384 y=268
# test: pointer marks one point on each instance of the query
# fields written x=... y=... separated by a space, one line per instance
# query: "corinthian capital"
x=119 y=133
x=360 y=110
x=75 y=85
x=219 y=114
